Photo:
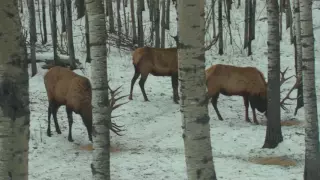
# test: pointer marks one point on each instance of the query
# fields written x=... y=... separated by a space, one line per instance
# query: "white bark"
x=273 y=131
x=298 y=36
x=309 y=94
x=33 y=36
x=14 y=96
x=100 y=166
x=195 y=119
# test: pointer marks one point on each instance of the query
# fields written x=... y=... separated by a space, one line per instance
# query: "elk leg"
x=90 y=128
x=254 y=115
x=70 y=121
x=141 y=83
x=133 y=80
x=175 y=84
x=49 y=119
x=214 y=101
x=246 y=105
x=54 y=110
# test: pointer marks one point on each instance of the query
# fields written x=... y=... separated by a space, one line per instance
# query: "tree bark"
x=44 y=22
x=312 y=168
x=33 y=36
x=88 y=58
x=133 y=20
x=54 y=38
x=100 y=166
x=70 y=34
x=156 y=17
x=213 y=2
x=63 y=17
x=119 y=23
x=14 y=95
x=111 y=16
x=273 y=132
x=195 y=119
x=126 y=27
x=163 y=24
x=140 y=24
x=297 y=22
x=220 y=30
x=167 y=21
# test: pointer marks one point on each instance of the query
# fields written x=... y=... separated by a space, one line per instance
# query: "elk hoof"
x=130 y=97
x=70 y=139
x=48 y=133
x=58 y=131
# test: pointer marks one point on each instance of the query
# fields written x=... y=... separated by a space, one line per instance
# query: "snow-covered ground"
x=152 y=147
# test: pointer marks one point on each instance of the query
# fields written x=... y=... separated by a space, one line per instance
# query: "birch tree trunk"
x=21 y=6
x=273 y=132
x=111 y=16
x=88 y=51
x=312 y=168
x=299 y=54
x=220 y=30
x=53 y=22
x=33 y=36
x=14 y=95
x=213 y=2
x=195 y=119
x=126 y=27
x=100 y=166
x=167 y=21
x=156 y=17
x=133 y=20
x=119 y=23
x=140 y=24
x=44 y=21
x=72 y=56
x=63 y=17
x=163 y=24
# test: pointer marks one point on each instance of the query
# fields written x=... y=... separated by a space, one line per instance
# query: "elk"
x=247 y=82
x=65 y=87
x=158 y=62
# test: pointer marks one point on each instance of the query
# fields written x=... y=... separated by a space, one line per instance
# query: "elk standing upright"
x=158 y=62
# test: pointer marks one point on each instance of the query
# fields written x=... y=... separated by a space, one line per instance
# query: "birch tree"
x=312 y=168
x=53 y=22
x=33 y=36
x=156 y=17
x=299 y=54
x=111 y=16
x=100 y=166
x=14 y=95
x=273 y=132
x=72 y=56
x=133 y=21
x=44 y=21
x=195 y=119
x=140 y=23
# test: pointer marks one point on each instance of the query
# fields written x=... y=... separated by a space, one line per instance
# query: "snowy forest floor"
x=152 y=147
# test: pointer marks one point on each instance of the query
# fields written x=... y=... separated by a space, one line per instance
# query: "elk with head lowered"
x=247 y=82
x=65 y=87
